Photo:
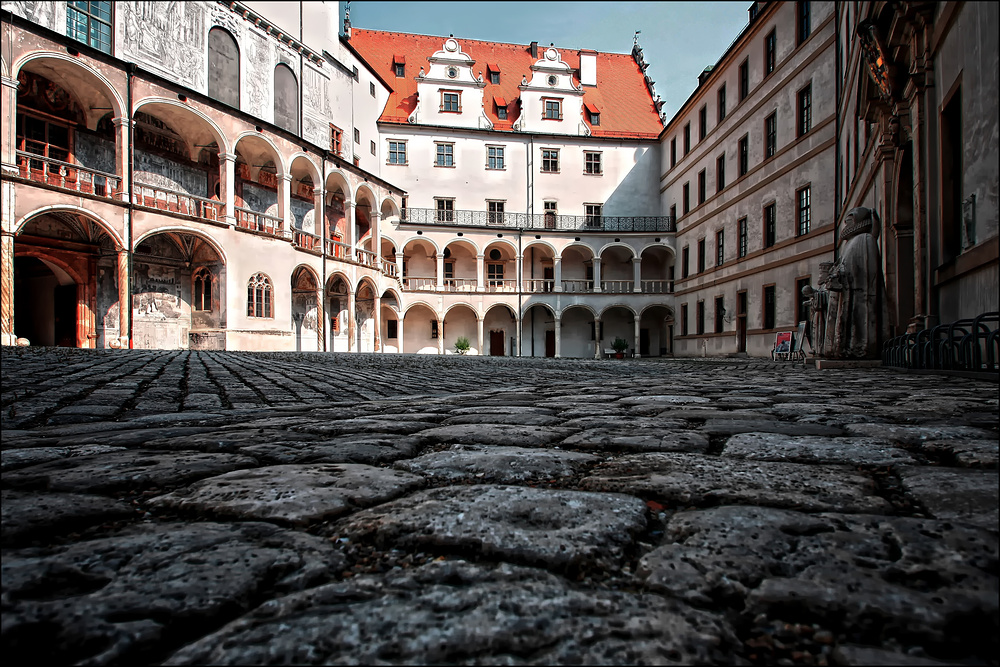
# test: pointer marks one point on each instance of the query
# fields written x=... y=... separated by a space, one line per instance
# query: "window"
x=286 y=99
x=495 y=157
x=400 y=69
x=357 y=136
x=744 y=79
x=593 y=213
x=741 y=225
x=687 y=138
x=720 y=313
x=805 y=21
x=685 y=262
x=701 y=255
x=801 y=309
x=744 y=151
x=770 y=47
x=434 y=328
x=397 y=152
x=686 y=197
x=391 y=329
x=595 y=119
x=684 y=319
x=720 y=247
x=722 y=102
x=702 y=122
x=769 y=225
x=701 y=187
x=371 y=88
x=445 y=210
x=550 y=160
x=495 y=212
x=90 y=23
x=673 y=212
x=202 y=289
x=805 y=110
x=673 y=151
x=449 y=268
x=501 y=112
x=259 y=293
x=804 y=210
x=720 y=173
x=700 y=317
x=373 y=148
x=494 y=77
x=769 y=307
x=223 y=67
x=41 y=137
x=445 y=155
x=553 y=110
x=770 y=135
x=450 y=102
x=592 y=163
x=550 y=215
x=336 y=140
x=494 y=273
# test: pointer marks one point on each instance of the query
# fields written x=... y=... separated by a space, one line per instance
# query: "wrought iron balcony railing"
x=577 y=223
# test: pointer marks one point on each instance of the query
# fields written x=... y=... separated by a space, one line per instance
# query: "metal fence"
x=577 y=223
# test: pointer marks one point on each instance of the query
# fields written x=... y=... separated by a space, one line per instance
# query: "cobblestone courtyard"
x=234 y=508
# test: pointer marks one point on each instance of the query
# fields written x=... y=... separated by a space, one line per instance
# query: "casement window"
x=770 y=52
x=744 y=79
x=553 y=109
x=451 y=101
x=449 y=268
x=495 y=157
x=769 y=306
x=720 y=173
x=804 y=21
x=391 y=329
x=741 y=226
x=259 y=296
x=90 y=23
x=744 y=153
x=687 y=138
x=769 y=223
x=400 y=69
x=592 y=163
x=722 y=102
x=702 y=122
x=494 y=77
x=673 y=151
x=593 y=213
x=445 y=155
x=550 y=160
x=686 y=198
x=354 y=73
x=445 y=210
x=371 y=88
x=720 y=314
x=685 y=262
x=40 y=137
x=494 y=274
x=770 y=135
x=684 y=319
x=720 y=247
x=357 y=136
x=701 y=255
x=805 y=110
x=202 y=289
x=700 y=317
x=397 y=152
x=495 y=211
x=595 y=119
x=501 y=112
x=336 y=140
x=701 y=187
x=804 y=210
x=493 y=70
x=373 y=148
x=801 y=307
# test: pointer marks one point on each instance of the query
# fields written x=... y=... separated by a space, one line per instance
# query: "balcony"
x=574 y=223
x=260 y=223
x=67 y=176
x=306 y=241
x=161 y=199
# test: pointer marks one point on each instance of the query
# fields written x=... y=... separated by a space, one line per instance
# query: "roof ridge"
x=486 y=41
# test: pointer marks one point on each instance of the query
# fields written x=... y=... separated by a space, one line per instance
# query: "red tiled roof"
x=618 y=78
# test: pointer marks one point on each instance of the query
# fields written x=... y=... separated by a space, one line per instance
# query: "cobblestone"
x=187 y=507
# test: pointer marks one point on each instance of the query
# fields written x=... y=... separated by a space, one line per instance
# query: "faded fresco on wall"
x=107 y=301
x=93 y=152
x=159 y=314
x=168 y=38
x=302 y=215
x=260 y=200
x=45 y=14
x=160 y=172
x=259 y=77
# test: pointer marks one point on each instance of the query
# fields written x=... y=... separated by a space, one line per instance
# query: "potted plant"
x=619 y=345
x=462 y=345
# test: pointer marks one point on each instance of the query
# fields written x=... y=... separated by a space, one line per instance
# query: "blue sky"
x=678 y=39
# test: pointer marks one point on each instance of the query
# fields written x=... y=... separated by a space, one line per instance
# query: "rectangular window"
x=550 y=217
x=687 y=138
x=686 y=197
x=720 y=247
x=744 y=79
x=595 y=119
x=700 y=317
x=673 y=151
x=495 y=157
x=801 y=309
x=593 y=214
x=701 y=187
x=769 y=231
x=741 y=225
x=553 y=110
x=357 y=136
x=495 y=211
x=501 y=113
x=702 y=122
x=397 y=152
x=770 y=52
x=434 y=328
x=445 y=155
x=445 y=210
x=685 y=263
x=371 y=88
x=90 y=23
x=720 y=173
x=770 y=135
x=805 y=21
x=449 y=270
x=494 y=273
x=769 y=307
x=744 y=151
x=400 y=69
x=673 y=213
x=592 y=163
x=720 y=314
x=336 y=140
x=722 y=102
x=391 y=329
x=373 y=148
x=450 y=102
x=550 y=160
x=684 y=319
x=701 y=255
x=804 y=206
x=494 y=77
x=805 y=110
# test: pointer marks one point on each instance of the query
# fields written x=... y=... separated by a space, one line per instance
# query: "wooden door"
x=741 y=321
x=496 y=343
x=550 y=343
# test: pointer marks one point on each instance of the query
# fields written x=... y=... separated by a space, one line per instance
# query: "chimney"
x=588 y=67
x=534 y=50
x=705 y=74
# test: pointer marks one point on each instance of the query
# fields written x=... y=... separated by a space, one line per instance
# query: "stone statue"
x=849 y=312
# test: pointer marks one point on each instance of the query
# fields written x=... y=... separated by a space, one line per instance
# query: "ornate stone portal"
x=849 y=316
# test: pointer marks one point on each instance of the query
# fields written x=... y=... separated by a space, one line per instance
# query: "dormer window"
x=493 y=70
x=501 y=113
x=451 y=101
x=594 y=113
x=595 y=119
x=399 y=65
x=553 y=110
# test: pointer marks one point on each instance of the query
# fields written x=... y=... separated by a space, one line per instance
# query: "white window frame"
x=396 y=148
x=593 y=213
x=458 y=101
x=589 y=163
x=558 y=108
x=445 y=207
x=442 y=153
x=551 y=160
x=495 y=210
x=496 y=158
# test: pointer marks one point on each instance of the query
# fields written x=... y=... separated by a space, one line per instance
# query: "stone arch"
x=307 y=313
x=532 y=304
x=306 y=180
x=432 y=242
x=505 y=242
x=578 y=331
x=613 y=244
x=650 y=306
x=389 y=209
x=336 y=312
x=462 y=304
x=167 y=110
x=410 y=306
x=105 y=226
x=618 y=304
x=666 y=246
x=184 y=230
x=541 y=242
x=366 y=315
x=253 y=137
x=578 y=246
x=92 y=78
x=585 y=306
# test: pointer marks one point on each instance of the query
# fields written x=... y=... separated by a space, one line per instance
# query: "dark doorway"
x=65 y=315
x=549 y=276
x=550 y=343
x=496 y=343
x=644 y=342
x=741 y=321
x=44 y=310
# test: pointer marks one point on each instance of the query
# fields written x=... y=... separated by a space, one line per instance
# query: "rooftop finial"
x=347 y=19
x=635 y=40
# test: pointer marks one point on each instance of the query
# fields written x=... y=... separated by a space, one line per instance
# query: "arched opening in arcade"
x=619 y=322
x=460 y=321
x=307 y=316
x=579 y=337
x=538 y=331
x=335 y=212
x=617 y=273
x=391 y=322
x=460 y=266
x=257 y=186
x=419 y=265
x=500 y=331
x=178 y=293
x=500 y=267
x=302 y=204
x=421 y=329
x=538 y=268
x=656 y=331
x=657 y=270
x=365 y=227
x=366 y=313
x=577 y=268
x=338 y=292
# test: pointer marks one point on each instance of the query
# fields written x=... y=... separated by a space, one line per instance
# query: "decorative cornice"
x=259 y=21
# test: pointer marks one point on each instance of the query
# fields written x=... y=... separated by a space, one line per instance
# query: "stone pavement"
x=232 y=508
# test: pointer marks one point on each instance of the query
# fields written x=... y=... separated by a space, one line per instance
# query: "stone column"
x=597 y=338
x=285 y=204
x=7 y=273
x=376 y=223
x=597 y=274
x=320 y=320
x=638 y=321
x=440 y=336
x=637 y=274
x=557 y=278
x=517 y=337
x=399 y=332
x=8 y=110
x=352 y=342
x=124 y=298
x=377 y=323
x=480 y=263
x=121 y=158
x=519 y=280
x=479 y=332
x=558 y=323
x=227 y=191
x=350 y=210
x=440 y=271
x=399 y=264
